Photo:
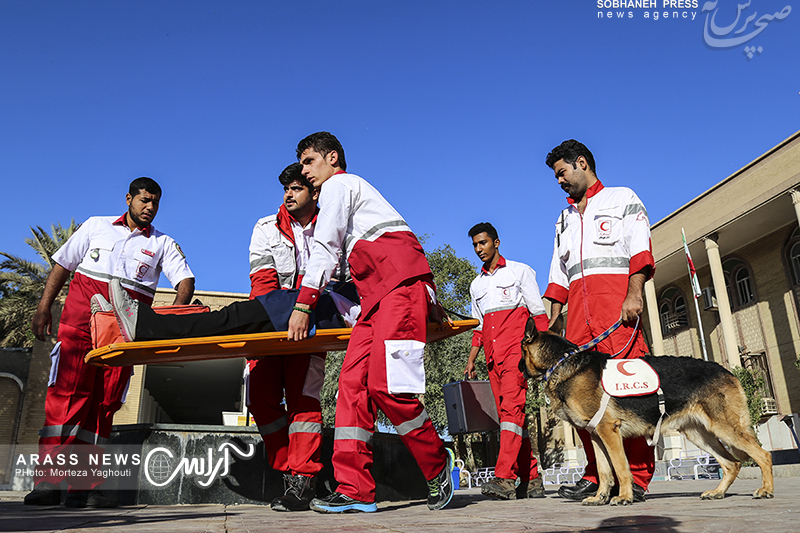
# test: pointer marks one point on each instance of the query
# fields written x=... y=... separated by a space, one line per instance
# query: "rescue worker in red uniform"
x=601 y=259
x=292 y=433
x=82 y=399
x=383 y=367
x=503 y=296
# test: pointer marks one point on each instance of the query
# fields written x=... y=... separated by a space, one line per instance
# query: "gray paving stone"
x=672 y=506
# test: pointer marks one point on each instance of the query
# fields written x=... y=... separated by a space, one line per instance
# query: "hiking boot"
x=440 y=488
x=339 y=503
x=98 y=304
x=299 y=492
x=582 y=489
x=500 y=489
x=125 y=309
x=89 y=498
x=533 y=488
x=44 y=494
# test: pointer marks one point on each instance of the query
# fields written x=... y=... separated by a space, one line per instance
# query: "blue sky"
x=449 y=108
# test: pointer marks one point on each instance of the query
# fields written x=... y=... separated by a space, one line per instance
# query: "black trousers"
x=234 y=319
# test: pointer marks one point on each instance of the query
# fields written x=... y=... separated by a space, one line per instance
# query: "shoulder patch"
x=178 y=248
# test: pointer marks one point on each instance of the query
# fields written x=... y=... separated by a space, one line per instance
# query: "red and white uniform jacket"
x=103 y=248
x=381 y=250
x=279 y=250
x=502 y=301
x=593 y=256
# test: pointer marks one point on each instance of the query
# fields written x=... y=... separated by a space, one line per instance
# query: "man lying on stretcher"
x=264 y=314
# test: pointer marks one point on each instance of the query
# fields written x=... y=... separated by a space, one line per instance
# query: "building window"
x=672 y=311
x=794 y=261
x=792 y=258
x=760 y=364
x=739 y=283
x=743 y=287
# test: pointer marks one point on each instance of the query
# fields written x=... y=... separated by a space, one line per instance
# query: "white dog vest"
x=629 y=377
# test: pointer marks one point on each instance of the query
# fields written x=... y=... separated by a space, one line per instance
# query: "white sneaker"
x=98 y=304
x=125 y=309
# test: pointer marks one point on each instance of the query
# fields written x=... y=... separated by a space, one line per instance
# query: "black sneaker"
x=440 y=488
x=299 y=492
x=339 y=503
x=45 y=493
x=89 y=498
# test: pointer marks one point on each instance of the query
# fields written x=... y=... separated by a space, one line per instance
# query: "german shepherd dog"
x=703 y=401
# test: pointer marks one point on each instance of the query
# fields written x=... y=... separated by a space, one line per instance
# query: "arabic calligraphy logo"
x=159 y=466
x=716 y=37
x=750 y=50
x=159 y=469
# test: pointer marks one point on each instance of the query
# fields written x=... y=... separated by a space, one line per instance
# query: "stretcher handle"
x=168 y=350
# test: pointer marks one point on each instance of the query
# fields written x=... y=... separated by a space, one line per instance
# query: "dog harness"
x=638 y=379
x=622 y=391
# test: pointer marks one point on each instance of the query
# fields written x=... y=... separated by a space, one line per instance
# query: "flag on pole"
x=692 y=272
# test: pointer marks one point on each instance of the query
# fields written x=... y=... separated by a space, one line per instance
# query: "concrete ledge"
x=251 y=481
x=753 y=472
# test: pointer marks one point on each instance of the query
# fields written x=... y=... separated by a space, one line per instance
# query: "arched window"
x=680 y=305
x=743 y=288
x=664 y=312
x=672 y=311
x=794 y=261
x=739 y=282
x=792 y=258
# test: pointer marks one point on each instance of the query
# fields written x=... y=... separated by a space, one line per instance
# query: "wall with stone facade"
x=769 y=325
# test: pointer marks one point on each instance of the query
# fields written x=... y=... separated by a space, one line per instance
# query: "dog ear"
x=558 y=325
x=530 y=331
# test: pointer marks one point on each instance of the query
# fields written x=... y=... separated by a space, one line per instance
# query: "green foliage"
x=333 y=365
x=753 y=384
x=445 y=360
x=22 y=283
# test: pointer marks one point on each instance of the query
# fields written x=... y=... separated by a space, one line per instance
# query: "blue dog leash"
x=591 y=344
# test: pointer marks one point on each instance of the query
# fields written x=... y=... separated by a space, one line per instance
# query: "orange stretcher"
x=249 y=345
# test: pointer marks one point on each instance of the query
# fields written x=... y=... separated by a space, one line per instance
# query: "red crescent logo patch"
x=621 y=368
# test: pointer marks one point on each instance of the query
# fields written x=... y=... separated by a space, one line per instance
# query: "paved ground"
x=672 y=506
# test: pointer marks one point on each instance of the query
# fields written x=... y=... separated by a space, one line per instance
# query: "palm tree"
x=22 y=283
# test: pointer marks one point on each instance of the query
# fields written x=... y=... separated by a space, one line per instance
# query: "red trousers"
x=641 y=457
x=79 y=407
x=509 y=387
x=383 y=369
x=292 y=432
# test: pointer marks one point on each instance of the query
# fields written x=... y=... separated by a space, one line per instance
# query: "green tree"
x=753 y=384
x=22 y=283
x=445 y=360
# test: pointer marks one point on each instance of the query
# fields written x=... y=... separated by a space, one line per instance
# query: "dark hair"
x=570 y=151
x=148 y=184
x=484 y=227
x=323 y=143
x=292 y=173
